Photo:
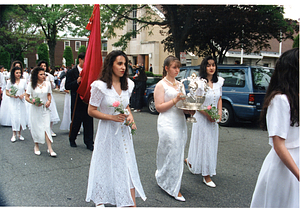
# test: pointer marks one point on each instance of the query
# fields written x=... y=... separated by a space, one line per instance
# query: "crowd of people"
x=113 y=174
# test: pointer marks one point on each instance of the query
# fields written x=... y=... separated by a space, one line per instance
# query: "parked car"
x=243 y=91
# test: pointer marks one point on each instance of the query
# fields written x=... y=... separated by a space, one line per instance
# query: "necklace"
x=171 y=83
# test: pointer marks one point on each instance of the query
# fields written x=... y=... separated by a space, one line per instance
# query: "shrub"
x=68 y=55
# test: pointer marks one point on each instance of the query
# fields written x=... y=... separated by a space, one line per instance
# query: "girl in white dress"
x=113 y=176
x=172 y=130
x=39 y=114
x=65 y=123
x=54 y=117
x=17 y=103
x=202 y=156
x=278 y=181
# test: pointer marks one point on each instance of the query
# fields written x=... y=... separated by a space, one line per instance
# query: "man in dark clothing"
x=79 y=108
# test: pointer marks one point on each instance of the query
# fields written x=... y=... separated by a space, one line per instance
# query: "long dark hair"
x=203 y=73
x=167 y=62
x=44 y=62
x=285 y=80
x=34 y=76
x=107 y=71
x=14 y=64
x=12 y=74
x=142 y=75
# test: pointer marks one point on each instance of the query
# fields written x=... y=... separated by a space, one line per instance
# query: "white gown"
x=113 y=170
x=5 y=105
x=203 y=147
x=17 y=107
x=54 y=117
x=172 y=133
x=276 y=185
x=39 y=117
x=65 y=123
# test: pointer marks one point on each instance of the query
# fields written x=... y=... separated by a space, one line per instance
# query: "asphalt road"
x=30 y=180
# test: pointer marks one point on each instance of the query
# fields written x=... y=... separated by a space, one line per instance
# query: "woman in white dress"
x=203 y=149
x=54 y=117
x=278 y=181
x=172 y=130
x=17 y=103
x=5 y=105
x=39 y=113
x=65 y=123
x=113 y=176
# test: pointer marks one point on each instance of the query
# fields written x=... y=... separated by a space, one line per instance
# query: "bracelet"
x=173 y=101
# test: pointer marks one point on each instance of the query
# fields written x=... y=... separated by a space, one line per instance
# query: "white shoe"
x=53 y=134
x=36 y=152
x=13 y=139
x=180 y=198
x=210 y=184
x=21 y=138
x=52 y=154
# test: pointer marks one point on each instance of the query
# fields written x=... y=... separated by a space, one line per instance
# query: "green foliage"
x=5 y=59
x=296 y=42
x=43 y=53
x=68 y=55
x=81 y=49
x=149 y=74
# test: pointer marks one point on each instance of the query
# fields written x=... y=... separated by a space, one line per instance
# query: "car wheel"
x=151 y=105
x=227 y=115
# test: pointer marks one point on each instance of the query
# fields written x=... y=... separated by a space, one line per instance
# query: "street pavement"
x=30 y=180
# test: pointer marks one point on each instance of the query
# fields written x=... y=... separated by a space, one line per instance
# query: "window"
x=66 y=43
x=233 y=77
x=261 y=77
x=77 y=45
x=104 y=46
x=134 y=23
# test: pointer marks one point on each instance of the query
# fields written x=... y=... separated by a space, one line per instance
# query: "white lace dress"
x=17 y=107
x=276 y=185
x=172 y=133
x=5 y=108
x=54 y=117
x=113 y=170
x=203 y=147
x=39 y=117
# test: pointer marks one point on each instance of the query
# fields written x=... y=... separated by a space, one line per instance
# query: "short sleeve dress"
x=203 y=147
x=39 y=117
x=17 y=107
x=276 y=185
x=113 y=170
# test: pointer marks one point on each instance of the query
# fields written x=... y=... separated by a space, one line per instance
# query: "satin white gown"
x=276 y=186
x=172 y=133
x=65 y=123
x=203 y=147
x=39 y=117
x=113 y=170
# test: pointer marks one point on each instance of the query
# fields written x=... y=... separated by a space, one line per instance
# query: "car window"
x=181 y=74
x=233 y=77
x=261 y=77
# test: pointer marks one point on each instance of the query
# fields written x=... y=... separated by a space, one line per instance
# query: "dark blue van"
x=243 y=90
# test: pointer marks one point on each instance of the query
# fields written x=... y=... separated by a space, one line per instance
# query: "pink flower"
x=116 y=104
x=9 y=90
x=33 y=100
x=209 y=107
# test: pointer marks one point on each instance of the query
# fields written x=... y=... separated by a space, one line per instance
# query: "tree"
x=81 y=49
x=5 y=59
x=16 y=35
x=54 y=18
x=68 y=55
x=43 y=53
x=206 y=29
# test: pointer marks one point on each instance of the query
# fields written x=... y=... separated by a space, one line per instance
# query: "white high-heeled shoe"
x=210 y=184
x=13 y=139
x=52 y=154
x=181 y=198
x=36 y=152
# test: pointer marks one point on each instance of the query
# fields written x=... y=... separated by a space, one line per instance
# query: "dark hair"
x=81 y=55
x=142 y=75
x=34 y=76
x=41 y=62
x=12 y=74
x=1 y=66
x=107 y=71
x=167 y=63
x=285 y=80
x=203 y=72
x=14 y=64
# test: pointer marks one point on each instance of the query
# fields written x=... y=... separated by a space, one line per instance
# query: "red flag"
x=93 y=57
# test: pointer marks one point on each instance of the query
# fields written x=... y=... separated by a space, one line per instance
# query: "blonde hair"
x=168 y=61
